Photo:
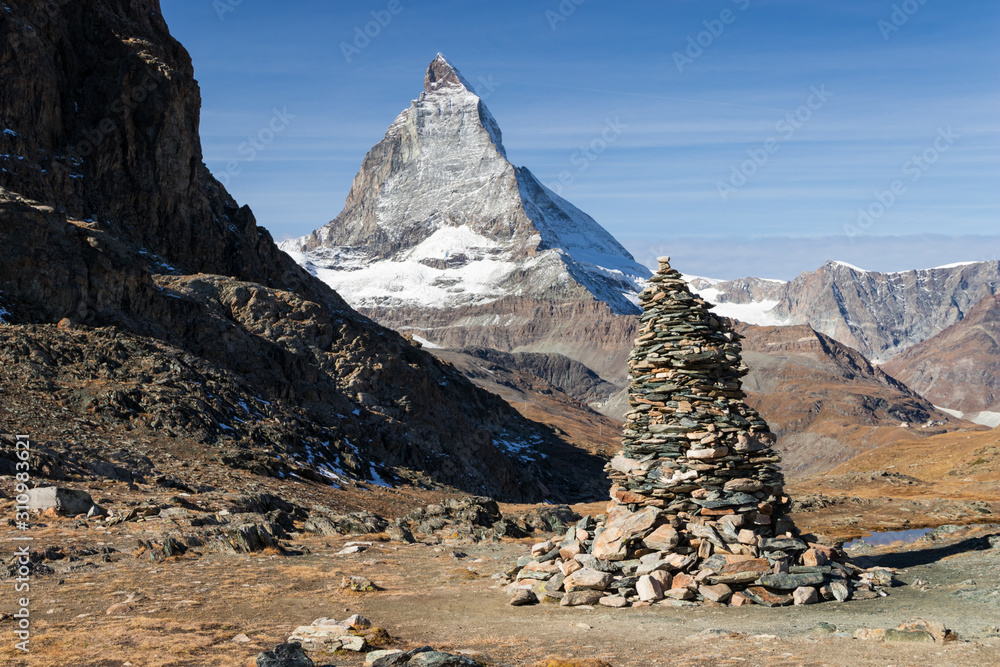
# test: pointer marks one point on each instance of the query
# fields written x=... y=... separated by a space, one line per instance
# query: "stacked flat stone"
x=691 y=444
x=697 y=512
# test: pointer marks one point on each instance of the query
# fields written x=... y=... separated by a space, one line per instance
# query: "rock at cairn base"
x=698 y=504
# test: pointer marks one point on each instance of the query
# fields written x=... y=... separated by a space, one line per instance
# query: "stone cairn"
x=698 y=505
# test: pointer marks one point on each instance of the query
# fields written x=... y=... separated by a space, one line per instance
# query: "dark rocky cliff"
x=109 y=217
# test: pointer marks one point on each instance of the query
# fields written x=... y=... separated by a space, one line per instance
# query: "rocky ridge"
x=878 y=314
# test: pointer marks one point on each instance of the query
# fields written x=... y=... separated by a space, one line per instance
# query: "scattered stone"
x=374 y=656
x=908 y=636
x=649 y=589
x=357 y=622
x=523 y=598
x=613 y=601
x=353 y=643
x=788 y=582
x=840 y=591
x=717 y=593
x=935 y=629
x=285 y=655
x=65 y=502
x=347 y=551
x=663 y=538
x=762 y=596
x=358 y=584
x=581 y=598
x=241 y=639
x=439 y=659
x=805 y=595
x=327 y=638
x=587 y=578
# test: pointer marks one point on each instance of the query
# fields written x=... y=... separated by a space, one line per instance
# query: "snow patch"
x=953 y=265
x=848 y=266
x=377 y=479
x=426 y=343
x=758 y=312
x=986 y=418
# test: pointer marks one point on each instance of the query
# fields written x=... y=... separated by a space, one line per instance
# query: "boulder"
x=66 y=502
x=663 y=538
x=439 y=659
x=649 y=589
x=285 y=655
x=805 y=595
x=716 y=593
x=622 y=527
x=581 y=597
x=587 y=578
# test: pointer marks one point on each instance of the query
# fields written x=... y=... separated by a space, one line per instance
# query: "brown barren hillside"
x=951 y=478
x=540 y=401
x=960 y=367
x=826 y=402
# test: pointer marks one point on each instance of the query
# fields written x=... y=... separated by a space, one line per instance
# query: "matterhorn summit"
x=443 y=236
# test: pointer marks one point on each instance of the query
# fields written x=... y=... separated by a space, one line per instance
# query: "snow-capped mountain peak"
x=439 y=218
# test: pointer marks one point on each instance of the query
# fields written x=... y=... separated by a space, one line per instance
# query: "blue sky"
x=874 y=85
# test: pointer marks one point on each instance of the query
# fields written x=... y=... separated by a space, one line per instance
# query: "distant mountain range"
x=878 y=314
x=443 y=238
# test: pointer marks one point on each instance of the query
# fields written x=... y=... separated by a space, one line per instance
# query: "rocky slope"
x=879 y=314
x=825 y=401
x=958 y=368
x=539 y=399
x=581 y=383
x=113 y=225
x=441 y=235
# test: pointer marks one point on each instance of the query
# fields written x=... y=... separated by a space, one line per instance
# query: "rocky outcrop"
x=442 y=236
x=958 y=368
x=113 y=227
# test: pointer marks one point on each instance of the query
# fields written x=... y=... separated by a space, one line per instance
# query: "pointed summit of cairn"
x=698 y=504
